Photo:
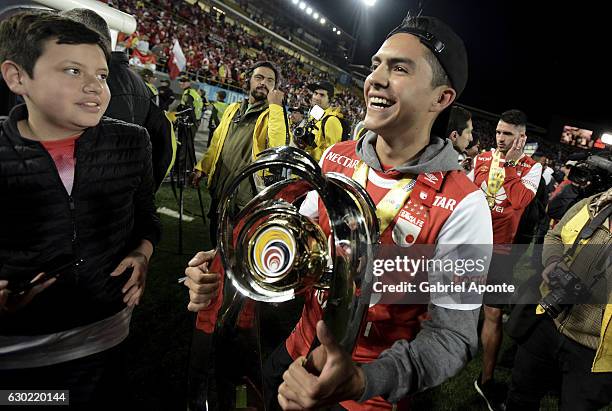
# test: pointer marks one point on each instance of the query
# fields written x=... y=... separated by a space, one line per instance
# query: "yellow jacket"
x=332 y=135
x=270 y=131
x=569 y=230
x=603 y=356
x=152 y=88
x=198 y=103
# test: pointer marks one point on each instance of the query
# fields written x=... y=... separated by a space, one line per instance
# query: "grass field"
x=161 y=327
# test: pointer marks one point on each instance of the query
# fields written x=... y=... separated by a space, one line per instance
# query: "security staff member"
x=217 y=109
x=191 y=98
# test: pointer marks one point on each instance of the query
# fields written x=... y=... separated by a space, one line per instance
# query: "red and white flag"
x=177 y=60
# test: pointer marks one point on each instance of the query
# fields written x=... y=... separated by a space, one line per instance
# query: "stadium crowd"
x=218 y=51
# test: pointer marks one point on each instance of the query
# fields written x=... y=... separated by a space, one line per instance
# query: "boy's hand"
x=11 y=303
x=134 y=288
x=202 y=284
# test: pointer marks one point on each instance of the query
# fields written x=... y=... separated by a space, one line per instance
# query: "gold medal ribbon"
x=497 y=175
x=392 y=202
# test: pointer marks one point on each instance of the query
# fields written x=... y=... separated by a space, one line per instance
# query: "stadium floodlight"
x=295 y=1
x=302 y=5
x=322 y=20
x=338 y=32
x=315 y=15
x=309 y=10
x=334 y=29
x=369 y=3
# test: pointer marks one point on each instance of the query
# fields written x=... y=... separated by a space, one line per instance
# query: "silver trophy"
x=272 y=253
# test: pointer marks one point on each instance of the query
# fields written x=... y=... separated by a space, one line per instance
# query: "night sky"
x=546 y=62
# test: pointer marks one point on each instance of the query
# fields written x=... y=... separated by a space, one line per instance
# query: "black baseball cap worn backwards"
x=443 y=42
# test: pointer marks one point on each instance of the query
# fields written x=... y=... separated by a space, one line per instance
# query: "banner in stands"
x=211 y=92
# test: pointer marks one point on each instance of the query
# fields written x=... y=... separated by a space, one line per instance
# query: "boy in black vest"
x=77 y=200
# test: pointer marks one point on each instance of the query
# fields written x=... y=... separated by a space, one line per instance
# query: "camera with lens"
x=592 y=174
x=304 y=135
x=566 y=289
x=185 y=116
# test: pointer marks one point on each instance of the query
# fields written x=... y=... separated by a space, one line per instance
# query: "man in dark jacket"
x=131 y=102
x=148 y=76
x=166 y=95
x=130 y=97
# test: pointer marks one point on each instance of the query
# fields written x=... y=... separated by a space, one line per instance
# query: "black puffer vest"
x=109 y=211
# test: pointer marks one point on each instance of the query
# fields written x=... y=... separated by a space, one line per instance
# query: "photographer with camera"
x=297 y=116
x=245 y=129
x=586 y=177
x=571 y=342
x=324 y=127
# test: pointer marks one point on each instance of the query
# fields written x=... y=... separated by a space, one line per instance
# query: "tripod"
x=185 y=161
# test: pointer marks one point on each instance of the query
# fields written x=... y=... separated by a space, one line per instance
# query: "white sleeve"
x=467 y=235
x=310 y=206
x=470 y=222
x=532 y=179
x=547 y=175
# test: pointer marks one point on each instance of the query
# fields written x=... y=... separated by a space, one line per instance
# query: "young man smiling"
x=416 y=74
